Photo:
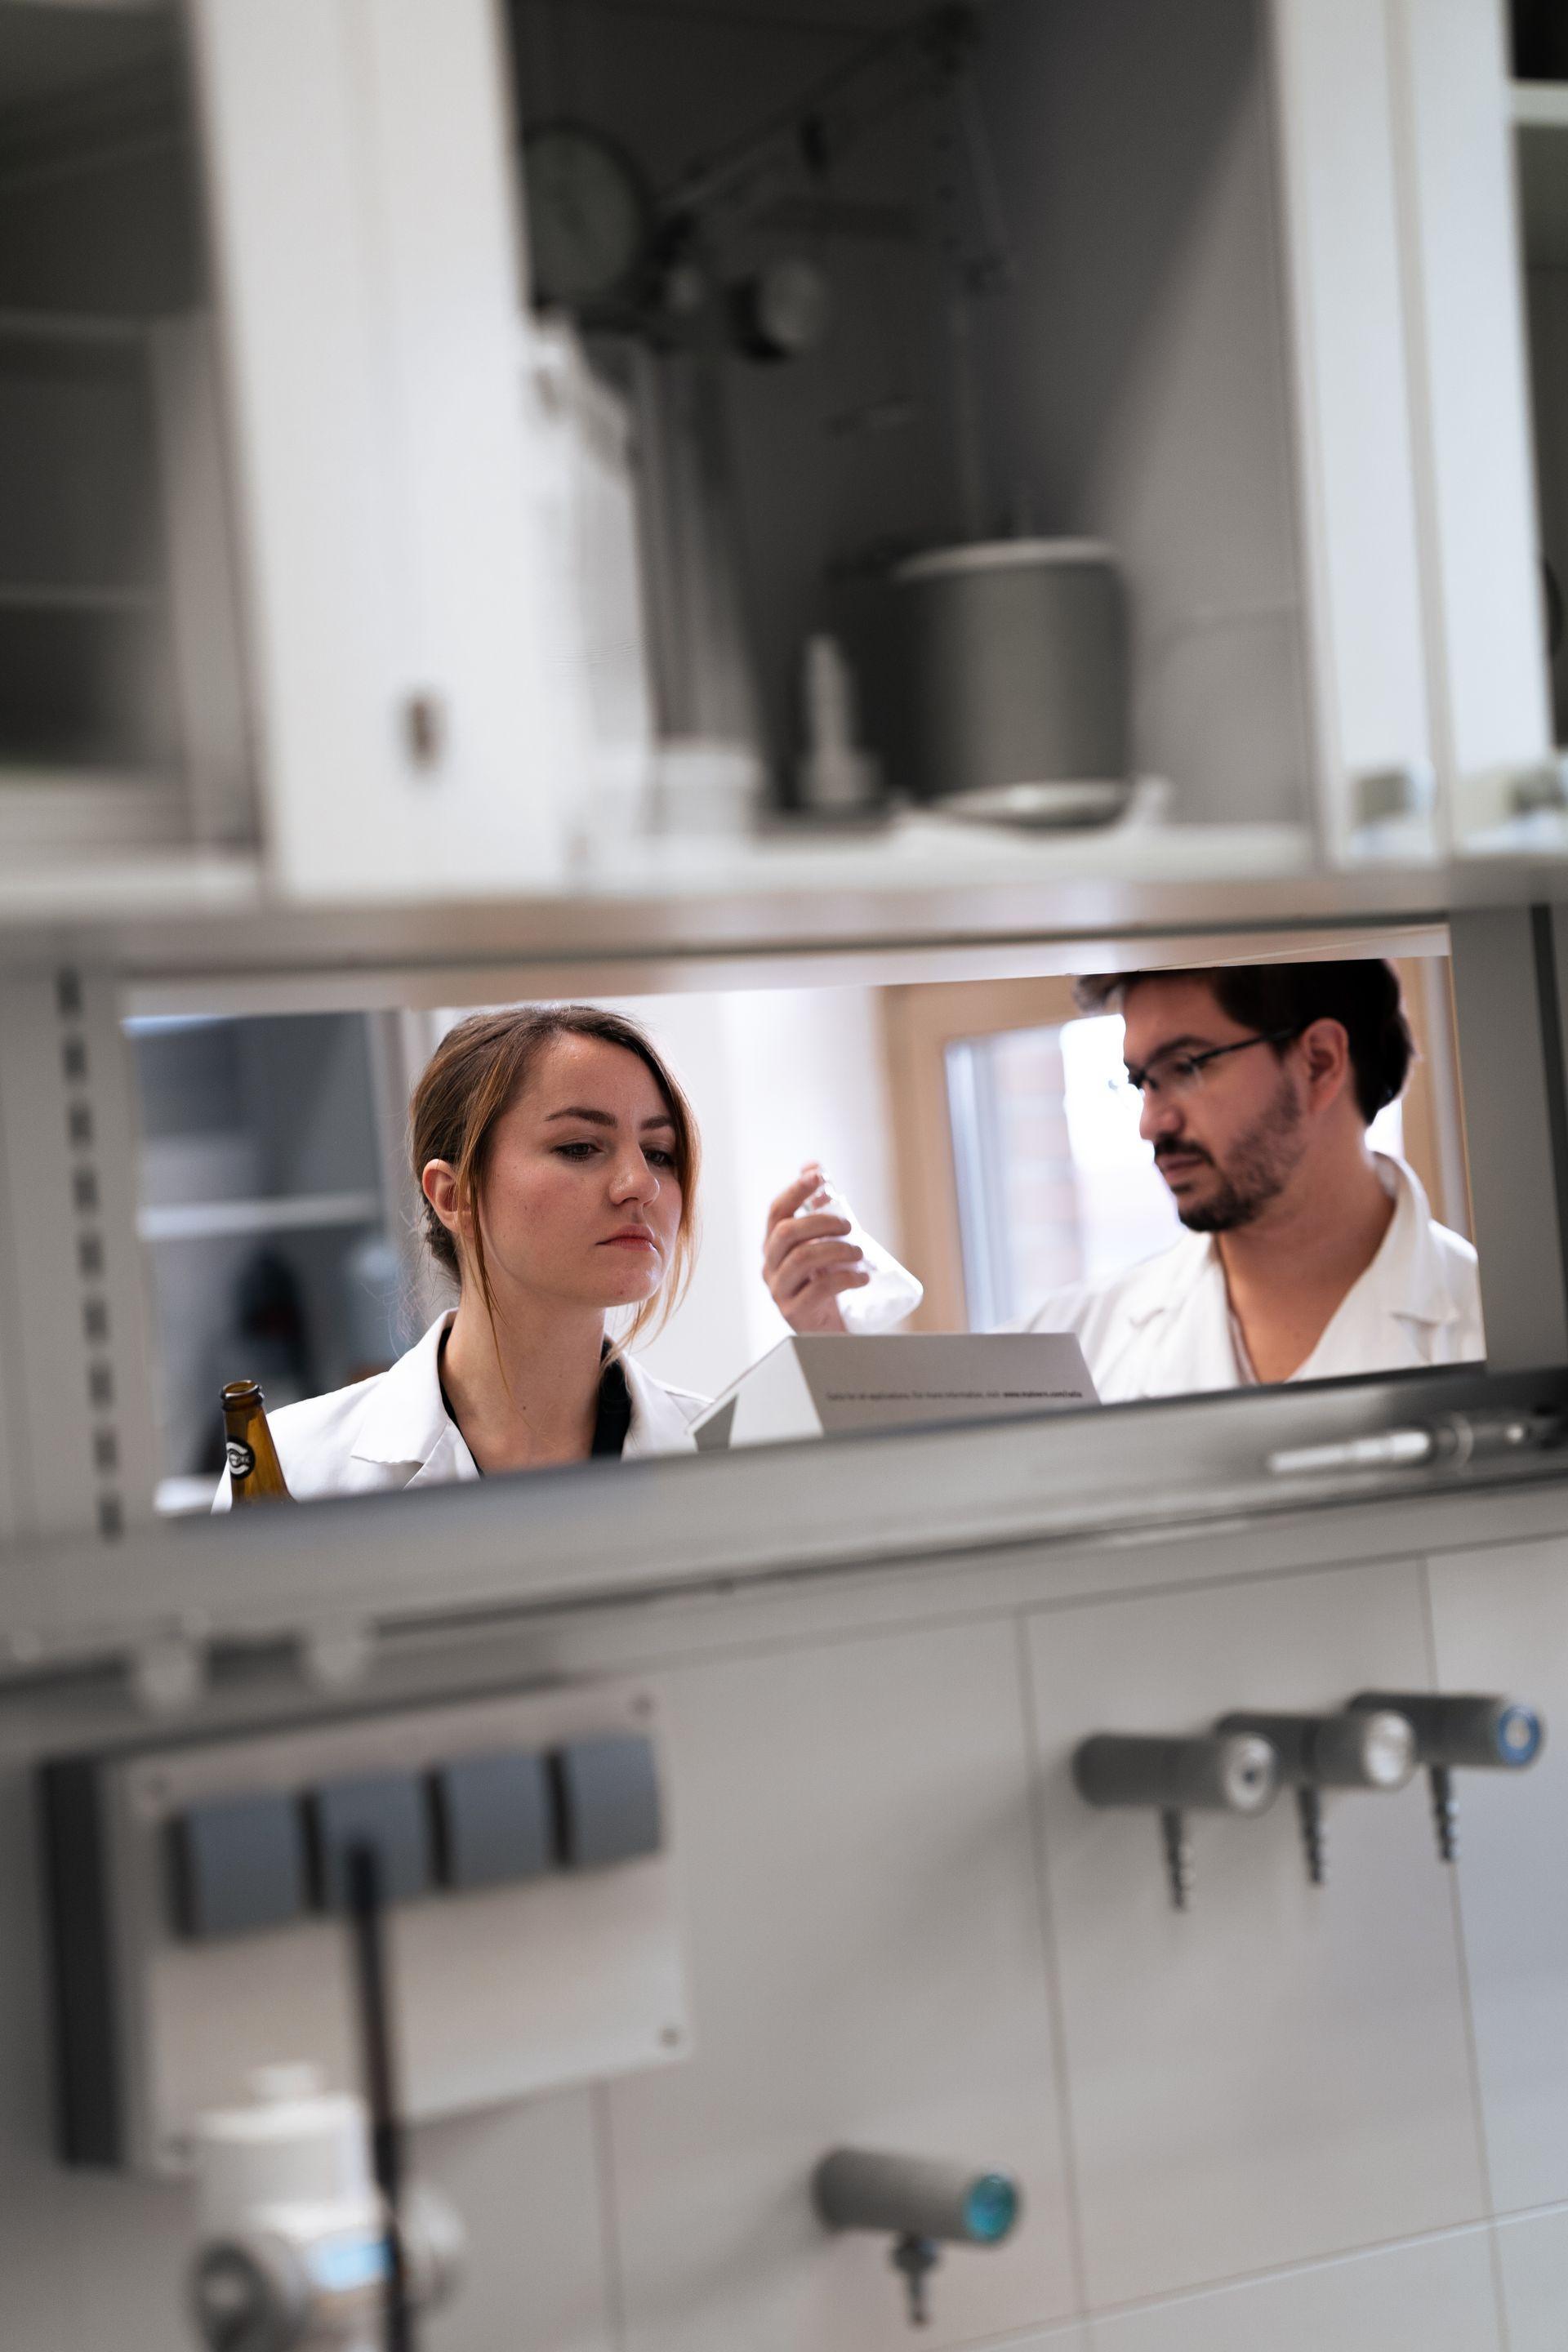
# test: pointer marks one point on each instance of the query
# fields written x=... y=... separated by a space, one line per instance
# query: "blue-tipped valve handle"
x=1460 y=1731
x=921 y=2201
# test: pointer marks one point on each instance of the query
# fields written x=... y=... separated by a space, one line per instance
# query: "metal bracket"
x=78 y=1450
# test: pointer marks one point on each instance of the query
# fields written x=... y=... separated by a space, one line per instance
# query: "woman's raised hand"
x=806 y=1262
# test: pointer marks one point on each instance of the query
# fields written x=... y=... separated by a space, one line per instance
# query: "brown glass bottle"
x=255 y=1473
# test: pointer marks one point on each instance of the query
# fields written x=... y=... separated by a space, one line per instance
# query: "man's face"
x=1229 y=1138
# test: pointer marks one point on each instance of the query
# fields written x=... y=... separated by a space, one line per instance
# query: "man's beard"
x=1260 y=1165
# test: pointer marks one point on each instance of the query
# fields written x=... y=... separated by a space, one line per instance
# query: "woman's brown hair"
x=472 y=1079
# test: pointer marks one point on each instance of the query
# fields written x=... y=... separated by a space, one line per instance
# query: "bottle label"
x=241 y=1457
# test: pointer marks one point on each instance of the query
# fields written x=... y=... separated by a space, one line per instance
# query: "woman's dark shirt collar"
x=612 y=1420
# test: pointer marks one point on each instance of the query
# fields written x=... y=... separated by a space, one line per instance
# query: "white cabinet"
x=1352 y=383
x=1464 y=313
x=1419 y=525
x=1235 y=291
x=269 y=571
x=1234 y=288
x=363 y=225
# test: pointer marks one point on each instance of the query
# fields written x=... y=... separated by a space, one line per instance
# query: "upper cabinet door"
x=1464 y=313
x=1360 y=541
x=363 y=225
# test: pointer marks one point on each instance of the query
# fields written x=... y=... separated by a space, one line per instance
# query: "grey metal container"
x=1014 y=675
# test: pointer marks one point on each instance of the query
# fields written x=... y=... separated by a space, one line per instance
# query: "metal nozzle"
x=914 y=2197
x=1478 y=1731
x=1214 y=1772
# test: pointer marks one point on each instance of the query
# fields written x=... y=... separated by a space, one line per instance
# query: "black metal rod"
x=367 y=1920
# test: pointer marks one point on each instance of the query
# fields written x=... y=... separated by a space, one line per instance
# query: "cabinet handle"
x=424 y=730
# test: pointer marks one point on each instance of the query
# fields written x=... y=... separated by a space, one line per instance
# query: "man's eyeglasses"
x=1174 y=1075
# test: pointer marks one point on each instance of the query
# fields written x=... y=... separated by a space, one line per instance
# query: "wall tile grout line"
x=1238 y=2282
x=609 y=2216
x=1472 y=2053
x=1050 y=1964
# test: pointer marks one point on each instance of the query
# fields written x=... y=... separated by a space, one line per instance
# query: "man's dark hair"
x=1361 y=995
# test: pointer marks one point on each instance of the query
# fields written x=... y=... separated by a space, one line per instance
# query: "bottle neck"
x=255 y=1472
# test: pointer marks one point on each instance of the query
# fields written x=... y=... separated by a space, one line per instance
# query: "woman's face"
x=582 y=1202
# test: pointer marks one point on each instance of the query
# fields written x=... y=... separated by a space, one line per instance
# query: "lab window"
x=984 y=1131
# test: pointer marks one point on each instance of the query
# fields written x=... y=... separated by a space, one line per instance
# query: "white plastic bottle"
x=893 y=1292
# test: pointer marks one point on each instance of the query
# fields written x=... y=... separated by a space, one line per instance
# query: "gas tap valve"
x=1355 y=1748
x=923 y=2203
x=1464 y=1730
x=1222 y=1772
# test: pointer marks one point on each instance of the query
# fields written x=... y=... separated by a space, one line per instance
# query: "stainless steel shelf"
x=306 y=1213
x=195 y=931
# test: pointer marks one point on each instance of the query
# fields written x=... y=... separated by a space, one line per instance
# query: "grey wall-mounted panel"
x=501 y=1989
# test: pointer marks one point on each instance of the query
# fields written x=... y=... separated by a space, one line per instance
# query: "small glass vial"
x=892 y=1294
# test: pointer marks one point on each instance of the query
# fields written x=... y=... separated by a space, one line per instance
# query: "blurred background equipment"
x=275 y=1211
x=589 y=216
x=1540 y=30
x=293 y=2229
x=835 y=778
x=1016 y=688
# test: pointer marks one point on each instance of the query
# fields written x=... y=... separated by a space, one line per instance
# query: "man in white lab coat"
x=1307 y=1255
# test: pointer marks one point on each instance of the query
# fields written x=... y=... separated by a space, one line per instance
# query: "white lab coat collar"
x=661 y=1417
x=1164 y=1328
x=1410 y=1277
x=1415 y=1276
x=407 y=1422
x=1408 y=1289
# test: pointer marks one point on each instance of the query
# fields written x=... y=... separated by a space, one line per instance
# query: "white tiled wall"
x=1500 y=1623
x=526 y=2180
x=1434 y=2296
x=1282 y=2072
x=865 y=1969
x=1533 y=2259
x=1256 y=2128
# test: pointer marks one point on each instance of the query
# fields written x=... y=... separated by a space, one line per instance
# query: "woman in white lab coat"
x=557 y=1159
